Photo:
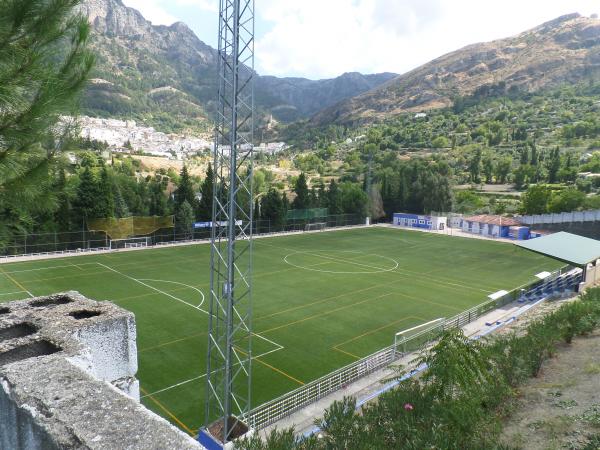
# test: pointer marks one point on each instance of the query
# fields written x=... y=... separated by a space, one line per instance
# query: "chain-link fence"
x=85 y=240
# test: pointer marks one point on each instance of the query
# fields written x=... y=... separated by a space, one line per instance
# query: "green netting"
x=130 y=226
x=307 y=214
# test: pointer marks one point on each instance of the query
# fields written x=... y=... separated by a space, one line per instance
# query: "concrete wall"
x=575 y=216
x=67 y=379
x=591 y=276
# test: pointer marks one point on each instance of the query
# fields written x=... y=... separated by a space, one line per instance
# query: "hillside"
x=566 y=49
x=165 y=76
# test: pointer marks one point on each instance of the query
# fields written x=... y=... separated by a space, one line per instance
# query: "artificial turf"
x=321 y=301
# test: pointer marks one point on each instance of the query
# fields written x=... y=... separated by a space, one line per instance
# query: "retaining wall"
x=67 y=379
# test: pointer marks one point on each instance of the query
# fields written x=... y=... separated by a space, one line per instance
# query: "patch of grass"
x=566 y=404
x=592 y=415
x=320 y=300
x=592 y=369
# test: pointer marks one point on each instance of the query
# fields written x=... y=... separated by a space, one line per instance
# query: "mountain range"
x=166 y=76
x=564 y=50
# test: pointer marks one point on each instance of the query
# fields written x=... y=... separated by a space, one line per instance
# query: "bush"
x=459 y=400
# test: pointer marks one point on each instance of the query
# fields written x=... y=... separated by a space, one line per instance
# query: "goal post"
x=317 y=226
x=413 y=338
x=134 y=242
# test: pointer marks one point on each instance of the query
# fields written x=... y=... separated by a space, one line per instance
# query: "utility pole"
x=228 y=378
x=368 y=186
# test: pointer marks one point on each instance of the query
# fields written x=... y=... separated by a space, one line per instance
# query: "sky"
x=325 y=38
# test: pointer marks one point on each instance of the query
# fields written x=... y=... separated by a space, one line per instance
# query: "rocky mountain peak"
x=138 y=61
x=566 y=49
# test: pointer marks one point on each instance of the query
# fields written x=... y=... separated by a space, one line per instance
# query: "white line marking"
x=50 y=268
x=339 y=260
x=177 y=282
x=203 y=375
x=153 y=288
x=173 y=386
x=11 y=293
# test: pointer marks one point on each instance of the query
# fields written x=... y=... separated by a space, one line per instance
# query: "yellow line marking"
x=170 y=414
x=164 y=344
x=301 y=383
x=315 y=316
x=279 y=371
x=16 y=283
x=376 y=330
x=347 y=353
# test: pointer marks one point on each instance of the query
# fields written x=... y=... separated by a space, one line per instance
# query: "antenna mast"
x=230 y=327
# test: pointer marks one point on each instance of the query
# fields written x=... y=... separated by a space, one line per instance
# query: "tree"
x=273 y=209
x=437 y=193
x=488 y=168
x=206 y=199
x=334 y=199
x=87 y=195
x=536 y=199
x=158 y=201
x=553 y=165
x=566 y=201
x=475 y=166
x=185 y=190
x=440 y=142
x=354 y=199
x=302 y=200
x=503 y=168
x=44 y=65
x=184 y=220
x=105 y=202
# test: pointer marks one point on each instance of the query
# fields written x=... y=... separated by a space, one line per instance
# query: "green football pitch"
x=321 y=301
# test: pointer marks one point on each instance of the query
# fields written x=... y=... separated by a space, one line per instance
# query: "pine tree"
x=553 y=165
x=302 y=200
x=158 y=202
x=87 y=194
x=207 y=189
x=334 y=199
x=62 y=215
x=184 y=220
x=105 y=206
x=121 y=208
x=185 y=190
x=475 y=166
x=44 y=65
x=273 y=209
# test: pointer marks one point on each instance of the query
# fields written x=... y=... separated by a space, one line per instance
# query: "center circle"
x=340 y=261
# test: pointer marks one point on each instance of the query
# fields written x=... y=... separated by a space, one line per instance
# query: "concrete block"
x=67 y=379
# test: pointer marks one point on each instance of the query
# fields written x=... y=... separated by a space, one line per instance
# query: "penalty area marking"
x=339 y=260
x=153 y=288
x=181 y=383
x=181 y=284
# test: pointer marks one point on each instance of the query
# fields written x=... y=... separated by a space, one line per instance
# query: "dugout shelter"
x=577 y=251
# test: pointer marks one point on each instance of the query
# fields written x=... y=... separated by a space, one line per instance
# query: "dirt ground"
x=561 y=408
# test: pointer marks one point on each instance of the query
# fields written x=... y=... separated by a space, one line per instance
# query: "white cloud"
x=159 y=11
x=323 y=38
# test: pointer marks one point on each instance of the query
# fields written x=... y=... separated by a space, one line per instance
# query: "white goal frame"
x=402 y=337
x=134 y=242
x=317 y=226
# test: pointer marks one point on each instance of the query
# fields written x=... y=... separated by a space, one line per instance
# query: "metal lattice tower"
x=230 y=328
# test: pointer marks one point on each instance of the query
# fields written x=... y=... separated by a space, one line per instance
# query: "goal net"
x=137 y=242
x=319 y=226
x=414 y=338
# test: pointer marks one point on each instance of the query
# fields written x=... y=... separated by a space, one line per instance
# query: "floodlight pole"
x=229 y=355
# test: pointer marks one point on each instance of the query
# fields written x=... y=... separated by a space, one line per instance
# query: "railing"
x=285 y=405
x=280 y=407
x=87 y=244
